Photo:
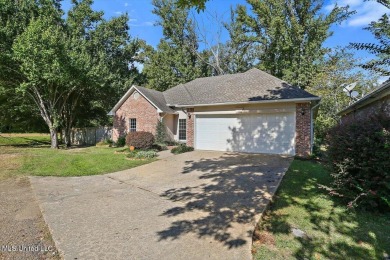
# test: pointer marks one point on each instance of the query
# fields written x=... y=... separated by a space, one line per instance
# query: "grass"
x=31 y=155
x=333 y=231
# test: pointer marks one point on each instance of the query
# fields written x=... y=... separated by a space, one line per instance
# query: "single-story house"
x=375 y=101
x=251 y=112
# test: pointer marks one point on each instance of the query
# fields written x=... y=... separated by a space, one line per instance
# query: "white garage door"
x=253 y=133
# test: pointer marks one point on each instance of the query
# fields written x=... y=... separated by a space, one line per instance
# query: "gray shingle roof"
x=157 y=98
x=253 y=85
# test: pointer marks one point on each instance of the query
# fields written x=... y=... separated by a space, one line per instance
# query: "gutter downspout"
x=312 y=127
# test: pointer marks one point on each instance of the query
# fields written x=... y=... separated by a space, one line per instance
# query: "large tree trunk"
x=54 y=138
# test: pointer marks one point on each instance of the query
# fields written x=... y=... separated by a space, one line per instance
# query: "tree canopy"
x=289 y=34
x=76 y=66
x=174 y=61
x=381 y=31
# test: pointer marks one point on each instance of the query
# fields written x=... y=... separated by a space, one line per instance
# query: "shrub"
x=161 y=134
x=121 y=141
x=159 y=147
x=105 y=142
x=140 y=140
x=182 y=148
x=359 y=157
x=172 y=142
x=148 y=154
x=131 y=154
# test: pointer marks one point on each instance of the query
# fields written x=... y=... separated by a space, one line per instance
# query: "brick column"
x=190 y=127
x=302 y=135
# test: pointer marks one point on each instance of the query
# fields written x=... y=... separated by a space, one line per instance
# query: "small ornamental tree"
x=140 y=140
x=161 y=134
x=359 y=153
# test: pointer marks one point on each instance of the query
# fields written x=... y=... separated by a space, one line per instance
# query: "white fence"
x=90 y=135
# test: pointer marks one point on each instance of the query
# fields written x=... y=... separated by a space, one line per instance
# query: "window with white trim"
x=133 y=125
x=182 y=129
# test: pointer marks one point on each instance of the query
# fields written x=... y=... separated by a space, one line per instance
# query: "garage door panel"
x=254 y=133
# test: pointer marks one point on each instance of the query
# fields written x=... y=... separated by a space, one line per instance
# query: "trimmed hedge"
x=140 y=140
x=359 y=153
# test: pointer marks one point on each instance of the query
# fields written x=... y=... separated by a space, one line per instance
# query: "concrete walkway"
x=197 y=205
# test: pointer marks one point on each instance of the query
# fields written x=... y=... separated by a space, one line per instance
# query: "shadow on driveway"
x=235 y=190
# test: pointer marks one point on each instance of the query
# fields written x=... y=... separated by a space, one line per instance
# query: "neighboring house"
x=372 y=103
x=245 y=112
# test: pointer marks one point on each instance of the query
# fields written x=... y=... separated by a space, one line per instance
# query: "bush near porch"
x=140 y=140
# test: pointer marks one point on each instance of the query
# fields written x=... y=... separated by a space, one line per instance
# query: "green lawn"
x=31 y=155
x=333 y=231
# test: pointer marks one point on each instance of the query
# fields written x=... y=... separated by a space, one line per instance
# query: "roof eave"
x=373 y=96
x=126 y=96
x=250 y=102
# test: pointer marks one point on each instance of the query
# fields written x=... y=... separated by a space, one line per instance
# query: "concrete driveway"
x=197 y=205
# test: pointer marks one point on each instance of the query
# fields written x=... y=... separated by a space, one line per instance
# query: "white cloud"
x=126 y=4
x=132 y=20
x=366 y=11
x=149 y=23
x=118 y=12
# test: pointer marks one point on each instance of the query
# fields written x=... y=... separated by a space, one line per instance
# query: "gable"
x=151 y=96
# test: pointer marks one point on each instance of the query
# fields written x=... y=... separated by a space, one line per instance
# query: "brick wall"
x=369 y=110
x=145 y=113
x=190 y=127
x=303 y=130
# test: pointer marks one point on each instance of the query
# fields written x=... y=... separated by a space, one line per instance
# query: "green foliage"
x=161 y=133
x=289 y=35
x=175 y=59
x=16 y=113
x=159 y=146
x=70 y=69
x=143 y=154
x=106 y=142
x=337 y=69
x=381 y=31
x=182 y=148
x=199 y=5
x=140 y=140
x=121 y=141
x=359 y=152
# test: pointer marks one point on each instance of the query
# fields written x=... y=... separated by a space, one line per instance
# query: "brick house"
x=372 y=103
x=251 y=112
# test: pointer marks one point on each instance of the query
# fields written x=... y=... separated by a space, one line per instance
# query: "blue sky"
x=142 y=20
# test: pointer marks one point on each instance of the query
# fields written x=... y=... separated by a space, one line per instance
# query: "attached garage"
x=252 y=112
x=253 y=133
